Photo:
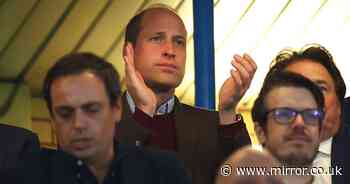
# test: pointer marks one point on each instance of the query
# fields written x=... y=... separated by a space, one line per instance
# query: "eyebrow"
x=180 y=36
x=63 y=107
x=176 y=36
x=89 y=104
x=319 y=81
x=159 y=33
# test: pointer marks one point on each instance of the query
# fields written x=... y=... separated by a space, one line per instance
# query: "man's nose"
x=169 y=50
x=79 y=120
x=298 y=121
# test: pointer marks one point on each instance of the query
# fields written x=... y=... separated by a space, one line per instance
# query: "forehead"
x=78 y=89
x=311 y=70
x=293 y=97
x=162 y=20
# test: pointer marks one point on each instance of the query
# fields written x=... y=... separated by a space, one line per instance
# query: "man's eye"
x=92 y=108
x=156 y=38
x=323 y=88
x=65 y=113
x=180 y=42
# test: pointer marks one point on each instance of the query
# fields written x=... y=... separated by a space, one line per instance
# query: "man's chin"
x=82 y=154
x=163 y=86
x=297 y=158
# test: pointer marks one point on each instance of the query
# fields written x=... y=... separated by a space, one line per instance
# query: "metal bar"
x=92 y=26
x=204 y=53
x=44 y=44
x=19 y=28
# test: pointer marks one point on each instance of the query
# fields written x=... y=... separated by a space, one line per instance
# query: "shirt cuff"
x=231 y=129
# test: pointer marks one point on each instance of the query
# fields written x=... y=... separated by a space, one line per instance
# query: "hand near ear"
x=144 y=98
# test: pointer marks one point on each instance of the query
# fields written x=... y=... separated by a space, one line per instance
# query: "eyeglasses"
x=285 y=115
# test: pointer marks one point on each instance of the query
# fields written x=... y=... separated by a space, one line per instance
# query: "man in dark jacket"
x=15 y=143
x=82 y=92
x=131 y=165
x=155 y=58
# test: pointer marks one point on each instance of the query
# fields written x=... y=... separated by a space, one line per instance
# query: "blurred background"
x=35 y=33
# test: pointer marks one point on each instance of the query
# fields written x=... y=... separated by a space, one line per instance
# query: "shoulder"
x=131 y=152
x=198 y=110
x=162 y=165
x=346 y=130
x=8 y=129
x=17 y=134
x=20 y=139
x=48 y=166
x=343 y=133
x=163 y=159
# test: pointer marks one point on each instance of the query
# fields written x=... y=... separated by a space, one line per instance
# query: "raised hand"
x=235 y=87
x=144 y=98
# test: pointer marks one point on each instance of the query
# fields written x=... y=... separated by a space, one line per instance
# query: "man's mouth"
x=298 y=138
x=167 y=67
x=80 y=144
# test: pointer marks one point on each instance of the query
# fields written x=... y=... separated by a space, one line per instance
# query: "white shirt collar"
x=326 y=146
x=165 y=108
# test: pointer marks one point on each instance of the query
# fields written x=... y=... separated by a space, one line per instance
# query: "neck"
x=163 y=96
x=336 y=128
x=100 y=165
x=325 y=135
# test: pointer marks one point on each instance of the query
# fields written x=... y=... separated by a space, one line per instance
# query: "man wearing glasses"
x=315 y=62
x=288 y=114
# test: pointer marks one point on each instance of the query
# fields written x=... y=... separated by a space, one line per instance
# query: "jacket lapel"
x=185 y=123
x=338 y=155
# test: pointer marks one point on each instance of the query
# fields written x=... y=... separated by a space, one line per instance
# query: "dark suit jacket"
x=346 y=111
x=339 y=154
x=132 y=165
x=15 y=143
x=199 y=144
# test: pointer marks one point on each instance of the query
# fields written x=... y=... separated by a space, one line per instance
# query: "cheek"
x=331 y=102
x=274 y=134
x=181 y=64
x=63 y=134
x=144 y=51
x=315 y=135
x=181 y=54
x=332 y=111
x=143 y=62
x=104 y=126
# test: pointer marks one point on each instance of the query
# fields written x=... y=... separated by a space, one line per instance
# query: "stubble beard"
x=295 y=159
x=161 y=88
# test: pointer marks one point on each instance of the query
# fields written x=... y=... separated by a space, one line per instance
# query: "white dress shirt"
x=323 y=159
x=165 y=108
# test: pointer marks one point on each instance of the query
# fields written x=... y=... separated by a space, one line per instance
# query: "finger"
x=129 y=54
x=242 y=71
x=236 y=78
x=246 y=63
x=130 y=71
x=139 y=76
x=250 y=60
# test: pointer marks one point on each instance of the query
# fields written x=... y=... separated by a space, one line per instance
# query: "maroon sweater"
x=163 y=130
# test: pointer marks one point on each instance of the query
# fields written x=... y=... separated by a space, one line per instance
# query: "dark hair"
x=77 y=63
x=276 y=79
x=134 y=25
x=133 y=28
x=318 y=54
